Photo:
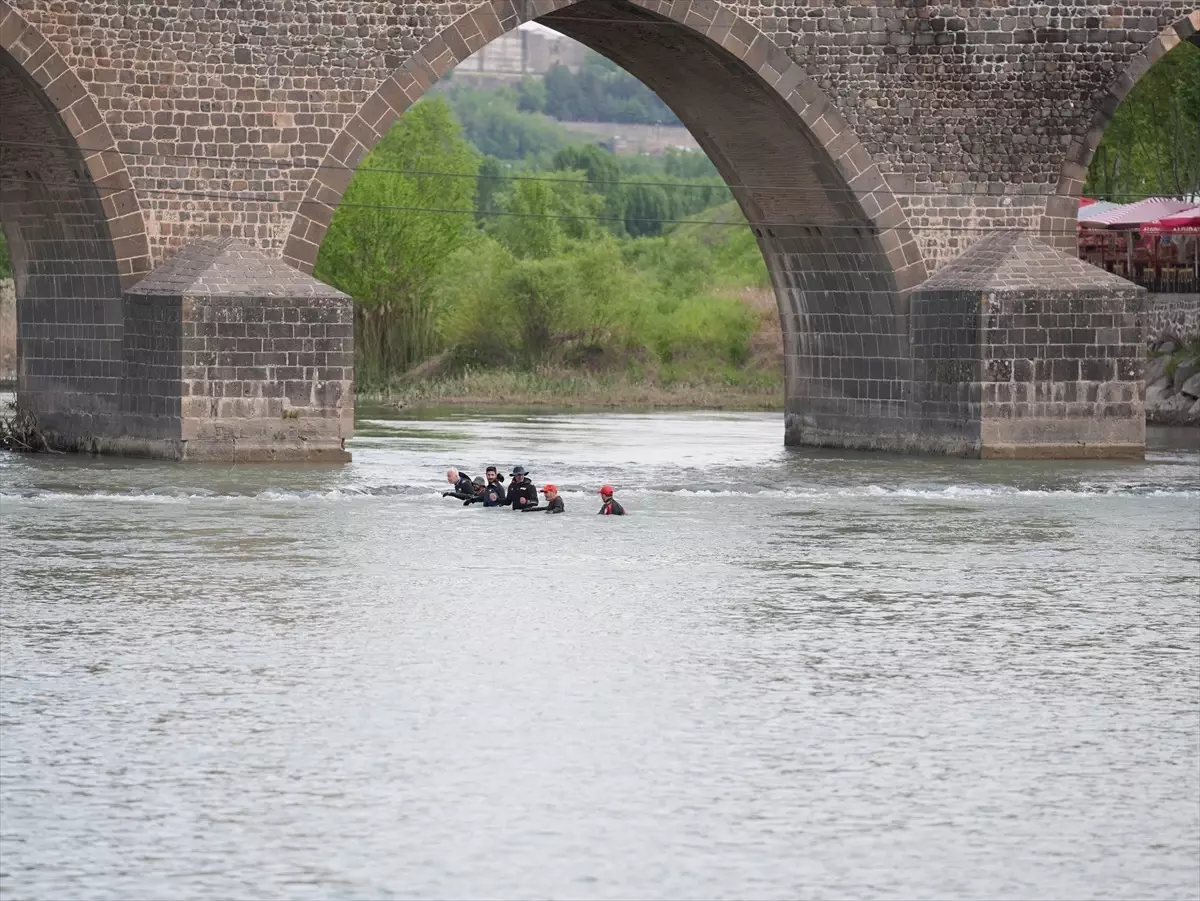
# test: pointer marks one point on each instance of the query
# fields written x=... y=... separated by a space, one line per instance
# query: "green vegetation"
x=564 y=282
x=1188 y=354
x=601 y=91
x=1152 y=145
x=383 y=246
x=6 y=270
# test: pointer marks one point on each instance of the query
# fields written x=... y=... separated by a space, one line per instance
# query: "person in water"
x=611 y=506
x=479 y=486
x=463 y=488
x=496 y=493
x=554 y=503
x=522 y=494
x=489 y=493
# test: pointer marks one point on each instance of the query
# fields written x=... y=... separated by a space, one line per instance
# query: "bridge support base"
x=1015 y=351
x=225 y=355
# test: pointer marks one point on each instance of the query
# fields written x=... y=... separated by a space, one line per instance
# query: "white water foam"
x=422 y=494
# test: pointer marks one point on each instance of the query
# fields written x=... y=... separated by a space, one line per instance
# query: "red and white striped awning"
x=1184 y=223
x=1130 y=216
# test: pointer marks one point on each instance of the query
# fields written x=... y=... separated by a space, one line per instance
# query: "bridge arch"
x=1062 y=206
x=82 y=133
x=836 y=240
x=75 y=233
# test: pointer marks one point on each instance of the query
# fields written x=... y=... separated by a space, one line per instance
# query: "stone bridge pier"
x=911 y=171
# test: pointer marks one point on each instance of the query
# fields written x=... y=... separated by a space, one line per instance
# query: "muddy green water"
x=787 y=674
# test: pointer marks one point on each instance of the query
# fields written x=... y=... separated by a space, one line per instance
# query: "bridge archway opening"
x=69 y=317
x=1144 y=142
x=76 y=239
x=835 y=240
x=1087 y=154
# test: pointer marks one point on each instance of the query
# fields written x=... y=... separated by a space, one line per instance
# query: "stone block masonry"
x=267 y=378
x=1020 y=350
x=8 y=332
x=241 y=358
x=226 y=355
x=868 y=143
x=1174 y=316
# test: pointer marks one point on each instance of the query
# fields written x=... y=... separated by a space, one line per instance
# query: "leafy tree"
x=1152 y=144
x=602 y=92
x=647 y=208
x=531 y=95
x=543 y=216
x=493 y=123
x=489 y=188
x=385 y=251
x=689 y=164
x=6 y=270
x=598 y=165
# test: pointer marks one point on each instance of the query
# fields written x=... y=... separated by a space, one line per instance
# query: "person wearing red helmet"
x=554 y=503
x=611 y=506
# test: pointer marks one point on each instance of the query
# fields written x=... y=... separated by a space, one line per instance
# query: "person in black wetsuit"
x=463 y=488
x=490 y=494
x=496 y=493
x=554 y=503
x=522 y=494
x=479 y=487
x=611 y=506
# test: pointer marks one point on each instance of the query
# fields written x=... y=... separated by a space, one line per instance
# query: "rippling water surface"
x=787 y=674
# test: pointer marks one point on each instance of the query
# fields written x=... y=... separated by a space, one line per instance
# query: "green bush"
x=705 y=328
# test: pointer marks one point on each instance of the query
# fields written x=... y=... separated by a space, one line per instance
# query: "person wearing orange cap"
x=554 y=503
x=611 y=506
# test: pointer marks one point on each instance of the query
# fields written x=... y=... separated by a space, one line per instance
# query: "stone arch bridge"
x=169 y=169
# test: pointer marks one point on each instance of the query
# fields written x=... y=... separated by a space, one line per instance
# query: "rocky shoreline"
x=1173 y=382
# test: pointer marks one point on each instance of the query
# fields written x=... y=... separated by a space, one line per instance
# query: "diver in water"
x=611 y=506
x=496 y=493
x=479 y=486
x=554 y=503
x=463 y=488
x=490 y=493
x=522 y=494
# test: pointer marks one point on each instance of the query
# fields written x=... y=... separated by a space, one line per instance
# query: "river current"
x=786 y=674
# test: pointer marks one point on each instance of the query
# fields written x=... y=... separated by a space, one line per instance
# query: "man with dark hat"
x=522 y=493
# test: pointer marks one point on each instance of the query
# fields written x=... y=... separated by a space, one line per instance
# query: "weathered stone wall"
x=8 y=332
x=1021 y=350
x=245 y=359
x=152 y=354
x=868 y=143
x=1061 y=375
x=69 y=314
x=1173 y=315
x=268 y=378
x=947 y=369
x=959 y=103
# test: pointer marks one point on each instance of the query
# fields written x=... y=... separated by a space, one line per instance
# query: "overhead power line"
x=244 y=197
x=253 y=164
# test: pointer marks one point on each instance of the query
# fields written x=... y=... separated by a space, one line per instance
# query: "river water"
x=787 y=674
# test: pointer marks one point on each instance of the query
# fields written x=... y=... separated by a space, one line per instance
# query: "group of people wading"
x=521 y=494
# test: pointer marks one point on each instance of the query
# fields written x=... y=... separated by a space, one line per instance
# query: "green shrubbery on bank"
x=550 y=280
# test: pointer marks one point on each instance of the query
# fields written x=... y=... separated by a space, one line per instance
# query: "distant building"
x=523 y=52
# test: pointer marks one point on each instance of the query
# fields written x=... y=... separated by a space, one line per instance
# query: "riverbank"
x=1172 y=376
x=738 y=390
